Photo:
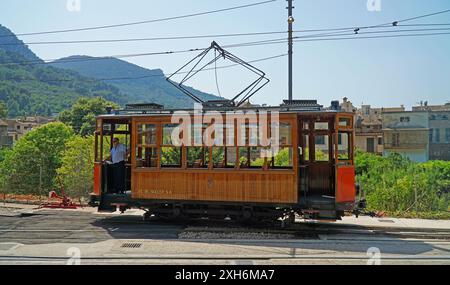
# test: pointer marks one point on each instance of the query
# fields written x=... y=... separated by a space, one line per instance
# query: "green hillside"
x=138 y=84
x=9 y=42
x=33 y=87
x=39 y=89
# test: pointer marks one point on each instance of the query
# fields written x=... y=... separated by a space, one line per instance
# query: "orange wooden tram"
x=311 y=173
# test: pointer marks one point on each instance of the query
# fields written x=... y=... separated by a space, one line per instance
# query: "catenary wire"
x=147 y=21
x=144 y=76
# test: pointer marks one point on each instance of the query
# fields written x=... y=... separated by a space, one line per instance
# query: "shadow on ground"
x=60 y=226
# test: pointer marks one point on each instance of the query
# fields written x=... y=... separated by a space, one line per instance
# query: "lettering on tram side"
x=157 y=191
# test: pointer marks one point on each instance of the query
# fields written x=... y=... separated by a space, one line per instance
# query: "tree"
x=77 y=166
x=3 y=110
x=30 y=167
x=396 y=184
x=81 y=117
x=5 y=153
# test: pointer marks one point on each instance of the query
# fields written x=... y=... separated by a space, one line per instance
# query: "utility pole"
x=290 y=46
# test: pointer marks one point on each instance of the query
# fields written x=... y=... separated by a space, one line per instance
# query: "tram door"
x=344 y=159
x=316 y=160
x=107 y=130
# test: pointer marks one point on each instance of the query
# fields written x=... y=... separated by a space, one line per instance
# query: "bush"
x=30 y=167
x=396 y=184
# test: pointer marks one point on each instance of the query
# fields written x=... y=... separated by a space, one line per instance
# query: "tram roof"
x=137 y=110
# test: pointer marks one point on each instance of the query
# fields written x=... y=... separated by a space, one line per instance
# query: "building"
x=5 y=140
x=368 y=134
x=432 y=108
x=17 y=128
x=368 y=125
x=421 y=134
x=407 y=133
x=439 y=133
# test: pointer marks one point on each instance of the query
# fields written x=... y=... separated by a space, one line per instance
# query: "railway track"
x=304 y=230
x=330 y=233
x=218 y=232
x=46 y=226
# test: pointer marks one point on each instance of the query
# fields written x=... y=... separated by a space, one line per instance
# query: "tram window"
x=248 y=134
x=319 y=140
x=197 y=157
x=250 y=157
x=224 y=157
x=321 y=125
x=253 y=134
x=106 y=146
x=121 y=127
x=107 y=128
x=171 y=157
x=146 y=134
x=231 y=157
x=322 y=148
x=281 y=159
x=218 y=157
x=167 y=134
x=146 y=157
x=197 y=133
x=344 y=146
x=244 y=157
x=284 y=131
x=229 y=133
x=305 y=150
x=218 y=135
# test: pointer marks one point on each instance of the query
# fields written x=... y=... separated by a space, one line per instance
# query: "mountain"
x=9 y=42
x=138 y=84
x=38 y=89
x=29 y=86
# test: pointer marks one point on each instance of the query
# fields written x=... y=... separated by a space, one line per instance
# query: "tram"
x=228 y=158
x=219 y=166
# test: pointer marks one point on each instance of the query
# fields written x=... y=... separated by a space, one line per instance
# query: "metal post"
x=290 y=46
x=40 y=176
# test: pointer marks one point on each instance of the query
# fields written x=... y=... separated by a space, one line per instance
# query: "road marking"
x=9 y=246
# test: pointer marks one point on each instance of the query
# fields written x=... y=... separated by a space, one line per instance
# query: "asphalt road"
x=62 y=226
x=62 y=236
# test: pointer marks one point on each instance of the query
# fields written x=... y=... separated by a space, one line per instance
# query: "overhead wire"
x=147 y=21
x=305 y=38
x=202 y=36
x=355 y=28
x=339 y=32
x=141 y=77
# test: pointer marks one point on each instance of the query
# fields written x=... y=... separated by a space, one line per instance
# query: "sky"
x=382 y=72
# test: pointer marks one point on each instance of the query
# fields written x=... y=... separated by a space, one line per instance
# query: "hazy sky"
x=380 y=72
